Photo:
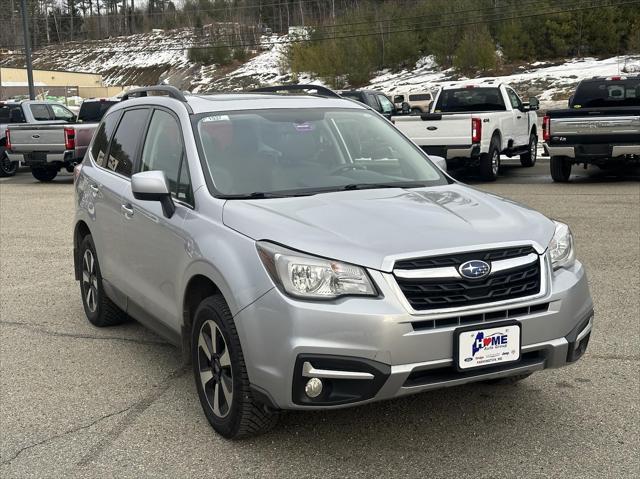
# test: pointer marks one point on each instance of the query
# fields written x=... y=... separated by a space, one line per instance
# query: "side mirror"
x=406 y=108
x=153 y=186
x=534 y=103
x=398 y=99
x=439 y=161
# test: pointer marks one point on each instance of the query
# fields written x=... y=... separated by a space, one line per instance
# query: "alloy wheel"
x=214 y=364
x=495 y=162
x=533 y=151
x=89 y=281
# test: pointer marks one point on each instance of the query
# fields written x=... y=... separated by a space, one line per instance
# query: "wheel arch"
x=497 y=133
x=79 y=232
x=534 y=130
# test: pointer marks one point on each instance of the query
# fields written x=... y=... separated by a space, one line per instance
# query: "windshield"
x=469 y=99
x=308 y=151
x=606 y=93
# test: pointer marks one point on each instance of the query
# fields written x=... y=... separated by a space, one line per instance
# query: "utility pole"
x=27 y=50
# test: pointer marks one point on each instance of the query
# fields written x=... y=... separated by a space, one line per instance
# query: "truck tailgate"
x=596 y=123
x=28 y=138
x=436 y=129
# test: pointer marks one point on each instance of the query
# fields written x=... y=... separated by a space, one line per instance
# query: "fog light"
x=313 y=387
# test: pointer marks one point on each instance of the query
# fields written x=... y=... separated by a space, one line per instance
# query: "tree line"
x=347 y=41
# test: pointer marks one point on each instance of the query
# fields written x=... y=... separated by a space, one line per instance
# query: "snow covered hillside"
x=149 y=58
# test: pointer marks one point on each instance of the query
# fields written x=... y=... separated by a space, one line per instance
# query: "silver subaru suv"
x=304 y=254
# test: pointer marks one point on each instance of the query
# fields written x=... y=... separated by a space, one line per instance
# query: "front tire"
x=221 y=374
x=7 y=167
x=529 y=158
x=490 y=162
x=560 y=169
x=44 y=174
x=99 y=309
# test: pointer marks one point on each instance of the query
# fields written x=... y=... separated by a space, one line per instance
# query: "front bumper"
x=279 y=334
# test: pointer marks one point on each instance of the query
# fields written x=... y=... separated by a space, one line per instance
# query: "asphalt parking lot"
x=77 y=401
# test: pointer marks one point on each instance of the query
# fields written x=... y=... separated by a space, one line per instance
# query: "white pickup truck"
x=472 y=124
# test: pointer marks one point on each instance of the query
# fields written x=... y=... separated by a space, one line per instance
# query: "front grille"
x=436 y=293
x=458 y=258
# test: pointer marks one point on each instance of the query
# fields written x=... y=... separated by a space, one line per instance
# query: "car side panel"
x=99 y=200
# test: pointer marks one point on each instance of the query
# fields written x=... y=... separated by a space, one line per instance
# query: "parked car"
x=306 y=255
x=601 y=126
x=26 y=112
x=48 y=148
x=472 y=124
x=374 y=99
x=418 y=102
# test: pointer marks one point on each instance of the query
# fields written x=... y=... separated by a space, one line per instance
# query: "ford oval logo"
x=35 y=137
x=432 y=128
x=474 y=269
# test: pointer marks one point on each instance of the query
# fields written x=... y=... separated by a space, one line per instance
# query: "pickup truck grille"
x=439 y=293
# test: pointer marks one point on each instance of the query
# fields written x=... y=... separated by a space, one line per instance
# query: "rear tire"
x=508 y=380
x=529 y=159
x=221 y=374
x=7 y=167
x=99 y=309
x=44 y=174
x=560 y=169
x=490 y=162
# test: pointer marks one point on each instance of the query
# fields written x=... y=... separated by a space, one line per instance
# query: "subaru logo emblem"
x=474 y=269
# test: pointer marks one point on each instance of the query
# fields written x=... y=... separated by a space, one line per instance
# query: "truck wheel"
x=490 y=162
x=7 y=167
x=560 y=169
x=44 y=174
x=99 y=309
x=528 y=159
x=221 y=374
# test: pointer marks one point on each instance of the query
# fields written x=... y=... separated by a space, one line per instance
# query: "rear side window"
x=40 y=112
x=470 y=99
x=93 y=111
x=124 y=145
x=101 y=141
x=420 y=97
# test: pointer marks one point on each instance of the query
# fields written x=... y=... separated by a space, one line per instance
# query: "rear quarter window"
x=103 y=135
x=420 y=97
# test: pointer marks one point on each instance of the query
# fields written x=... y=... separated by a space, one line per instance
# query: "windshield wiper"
x=368 y=186
x=258 y=195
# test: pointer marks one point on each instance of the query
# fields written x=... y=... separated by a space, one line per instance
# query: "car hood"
x=372 y=227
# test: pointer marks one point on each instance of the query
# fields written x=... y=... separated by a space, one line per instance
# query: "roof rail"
x=170 y=91
x=322 y=91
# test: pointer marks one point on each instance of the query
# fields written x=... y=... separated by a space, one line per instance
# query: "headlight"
x=561 y=247
x=308 y=277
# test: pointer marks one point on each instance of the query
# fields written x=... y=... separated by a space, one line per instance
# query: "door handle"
x=518 y=117
x=94 y=188
x=127 y=210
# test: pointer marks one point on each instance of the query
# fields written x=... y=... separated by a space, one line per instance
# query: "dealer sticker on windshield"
x=488 y=347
